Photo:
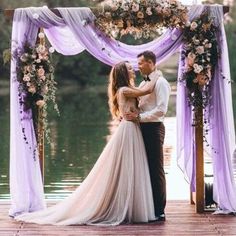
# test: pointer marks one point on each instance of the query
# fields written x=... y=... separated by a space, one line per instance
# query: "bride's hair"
x=119 y=77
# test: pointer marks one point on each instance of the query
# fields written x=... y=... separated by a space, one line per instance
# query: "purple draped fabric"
x=186 y=158
x=222 y=132
x=72 y=34
x=25 y=178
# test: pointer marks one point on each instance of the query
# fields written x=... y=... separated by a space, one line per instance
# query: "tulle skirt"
x=117 y=189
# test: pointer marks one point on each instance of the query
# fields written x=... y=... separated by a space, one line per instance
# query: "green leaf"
x=6 y=56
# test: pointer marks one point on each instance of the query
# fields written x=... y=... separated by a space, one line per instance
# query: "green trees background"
x=83 y=68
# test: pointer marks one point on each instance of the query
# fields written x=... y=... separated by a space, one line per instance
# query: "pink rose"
x=32 y=89
x=41 y=72
x=202 y=80
x=200 y=50
x=40 y=103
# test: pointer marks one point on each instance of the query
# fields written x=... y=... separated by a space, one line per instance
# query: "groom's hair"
x=148 y=55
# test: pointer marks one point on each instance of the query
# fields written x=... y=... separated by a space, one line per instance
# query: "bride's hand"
x=149 y=86
x=131 y=116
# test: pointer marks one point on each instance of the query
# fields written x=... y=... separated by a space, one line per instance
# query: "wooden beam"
x=40 y=135
x=9 y=13
x=225 y=9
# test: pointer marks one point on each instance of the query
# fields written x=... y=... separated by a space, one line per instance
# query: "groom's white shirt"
x=153 y=106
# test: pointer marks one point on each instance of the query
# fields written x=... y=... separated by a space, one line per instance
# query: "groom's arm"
x=162 y=91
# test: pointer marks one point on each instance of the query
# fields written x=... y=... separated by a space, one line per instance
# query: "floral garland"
x=35 y=74
x=140 y=18
x=200 y=53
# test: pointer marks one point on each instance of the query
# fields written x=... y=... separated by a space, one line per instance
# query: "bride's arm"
x=137 y=92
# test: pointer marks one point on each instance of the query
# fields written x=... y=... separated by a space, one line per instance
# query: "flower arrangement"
x=140 y=18
x=200 y=53
x=35 y=74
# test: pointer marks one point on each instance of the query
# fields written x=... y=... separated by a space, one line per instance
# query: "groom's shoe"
x=161 y=217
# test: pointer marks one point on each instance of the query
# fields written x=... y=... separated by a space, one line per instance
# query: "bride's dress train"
x=117 y=189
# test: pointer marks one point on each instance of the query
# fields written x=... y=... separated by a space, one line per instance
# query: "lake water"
x=79 y=135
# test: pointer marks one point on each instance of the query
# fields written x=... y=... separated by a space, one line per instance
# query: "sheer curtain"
x=71 y=35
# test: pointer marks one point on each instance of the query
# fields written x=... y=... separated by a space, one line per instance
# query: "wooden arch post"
x=40 y=125
x=199 y=196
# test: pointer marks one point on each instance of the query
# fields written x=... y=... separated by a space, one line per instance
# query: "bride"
x=118 y=187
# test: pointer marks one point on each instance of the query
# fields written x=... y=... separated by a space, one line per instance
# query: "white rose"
x=196 y=41
x=193 y=25
x=40 y=49
x=191 y=55
x=51 y=50
x=173 y=37
x=41 y=35
x=23 y=58
x=84 y=22
x=125 y=7
x=149 y=11
x=165 y=5
x=35 y=16
x=135 y=7
x=198 y=69
x=209 y=45
x=188 y=23
x=26 y=78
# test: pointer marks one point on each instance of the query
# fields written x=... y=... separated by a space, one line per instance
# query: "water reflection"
x=79 y=136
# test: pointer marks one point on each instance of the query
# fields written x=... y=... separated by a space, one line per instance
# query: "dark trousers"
x=153 y=136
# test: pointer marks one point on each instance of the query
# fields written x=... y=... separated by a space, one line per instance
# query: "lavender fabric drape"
x=108 y=50
x=221 y=137
x=222 y=132
x=25 y=179
x=26 y=187
x=70 y=35
x=185 y=145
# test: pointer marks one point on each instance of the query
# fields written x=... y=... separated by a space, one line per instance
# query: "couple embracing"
x=127 y=183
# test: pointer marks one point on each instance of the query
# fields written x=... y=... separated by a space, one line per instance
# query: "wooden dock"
x=181 y=220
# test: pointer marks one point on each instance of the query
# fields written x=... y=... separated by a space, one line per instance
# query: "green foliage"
x=83 y=68
x=6 y=55
x=230 y=29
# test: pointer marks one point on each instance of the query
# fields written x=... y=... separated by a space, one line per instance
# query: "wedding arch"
x=70 y=32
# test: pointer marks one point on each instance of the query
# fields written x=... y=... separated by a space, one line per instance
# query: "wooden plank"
x=181 y=220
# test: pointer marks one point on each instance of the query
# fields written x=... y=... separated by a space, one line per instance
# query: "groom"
x=153 y=107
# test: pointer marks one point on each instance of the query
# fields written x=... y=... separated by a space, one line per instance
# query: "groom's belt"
x=151 y=123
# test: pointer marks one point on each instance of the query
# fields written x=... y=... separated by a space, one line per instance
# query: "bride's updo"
x=119 y=77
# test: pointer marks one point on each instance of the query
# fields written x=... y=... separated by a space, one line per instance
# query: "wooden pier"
x=181 y=220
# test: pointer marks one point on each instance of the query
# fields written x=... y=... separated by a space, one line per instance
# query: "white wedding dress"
x=117 y=189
